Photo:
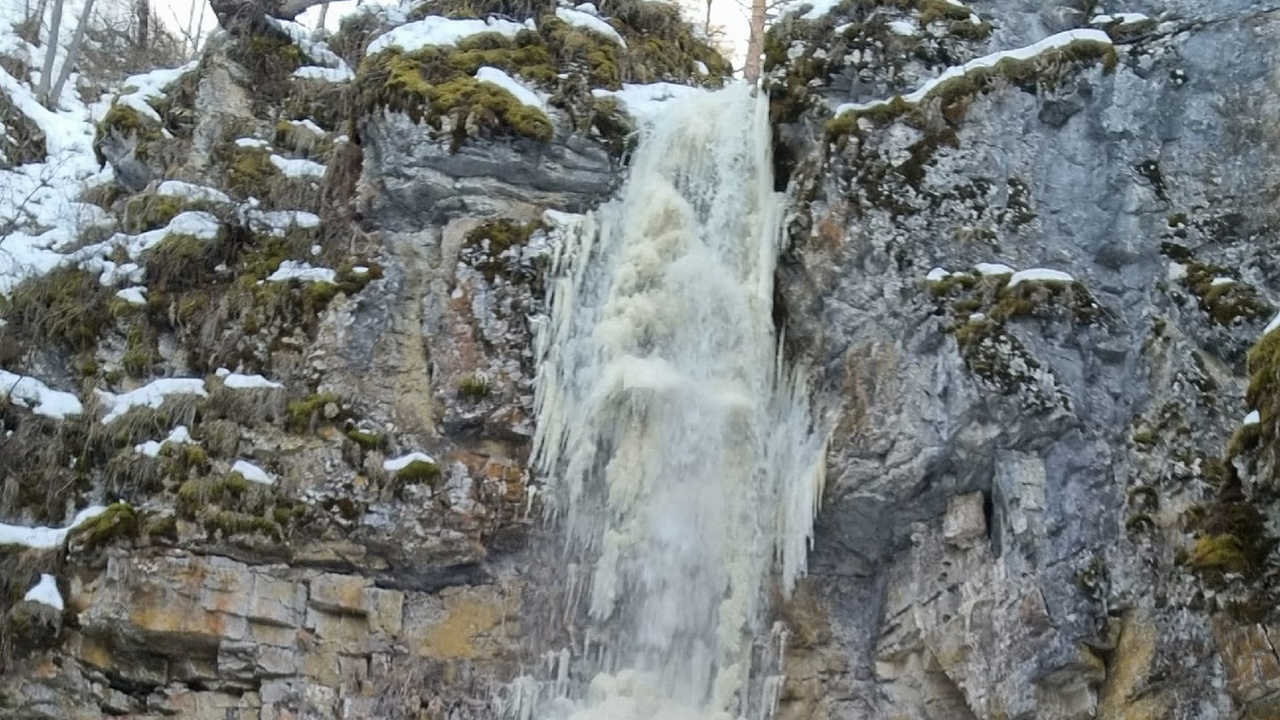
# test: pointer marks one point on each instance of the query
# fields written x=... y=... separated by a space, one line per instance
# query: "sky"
x=729 y=14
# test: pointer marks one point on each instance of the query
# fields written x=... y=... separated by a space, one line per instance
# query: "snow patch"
x=590 y=22
x=1029 y=52
x=644 y=102
x=294 y=270
x=42 y=400
x=252 y=472
x=152 y=395
x=937 y=275
x=333 y=75
x=1253 y=418
x=45 y=592
x=133 y=295
x=1039 y=275
x=1221 y=281
x=151 y=448
x=298 y=167
x=993 y=269
x=1273 y=325
x=404 y=461
x=437 y=30
x=44 y=538
x=521 y=92
x=902 y=27
x=199 y=193
x=236 y=381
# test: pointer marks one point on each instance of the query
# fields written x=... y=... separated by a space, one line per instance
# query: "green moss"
x=150 y=211
x=228 y=524
x=419 y=472
x=197 y=493
x=119 y=522
x=162 y=528
x=428 y=86
x=473 y=387
x=303 y=414
x=367 y=440
x=67 y=306
x=1225 y=303
x=250 y=172
x=126 y=121
x=1046 y=69
x=499 y=235
x=612 y=125
x=1223 y=553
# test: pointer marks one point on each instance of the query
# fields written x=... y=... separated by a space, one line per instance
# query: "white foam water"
x=678 y=453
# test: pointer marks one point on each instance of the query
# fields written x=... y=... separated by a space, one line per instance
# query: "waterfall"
x=678 y=452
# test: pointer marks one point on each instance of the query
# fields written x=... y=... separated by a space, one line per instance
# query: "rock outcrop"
x=1034 y=509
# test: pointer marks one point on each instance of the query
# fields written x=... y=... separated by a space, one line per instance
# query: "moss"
x=179 y=263
x=118 y=523
x=150 y=211
x=250 y=172
x=473 y=388
x=197 y=493
x=1046 y=69
x=228 y=523
x=67 y=306
x=126 y=121
x=303 y=414
x=499 y=235
x=419 y=472
x=598 y=57
x=1225 y=303
x=161 y=528
x=612 y=125
x=429 y=87
x=367 y=440
x=1223 y=553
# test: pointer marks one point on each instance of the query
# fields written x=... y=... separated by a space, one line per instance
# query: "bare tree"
x=73 y=52
x=324 y=14
x=755 y=41
x=142 y=11
x=50 y=53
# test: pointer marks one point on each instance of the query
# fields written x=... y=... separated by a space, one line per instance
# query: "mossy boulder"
x=127 y=122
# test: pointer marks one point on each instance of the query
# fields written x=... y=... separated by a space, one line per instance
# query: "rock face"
x=1022 y=476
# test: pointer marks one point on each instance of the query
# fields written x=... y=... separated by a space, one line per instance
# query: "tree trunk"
x=755 y=42
x=142 y=11
x=324 y=14
x=73 y=52
x=706 y=26
x=50 y=54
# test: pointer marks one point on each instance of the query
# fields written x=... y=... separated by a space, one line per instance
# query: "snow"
x=200 y=193
x=133 y=295
x=236 y=381
x=1039 y=275
x=39 y=206
x=404 y=461
x=1053 y=42
x=1253 y=418
x=252 y=472
x=817 y=8
x=590 y=22
x=701 y=67
x=45 y=592
x=308 y=125
x=644 y=102
x=902 y=27
x=44 y=538
x=152 y=395
x=521 y=92
x=30 y=393
x=196 y=223
x=333 y=75
x=937 y=275
x=297 y=167
x=277 y=222
x=151 y=448
x=993 y=269
x=140 y=90
x=1273 y=325
x=294 y=270
x=1176 y=271
x=1121 y=18
x=1221 y=281
x=437 y=30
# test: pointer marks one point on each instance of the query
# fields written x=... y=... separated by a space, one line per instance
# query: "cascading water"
x=679 y=457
